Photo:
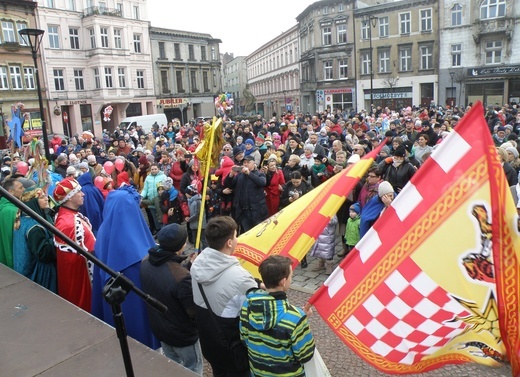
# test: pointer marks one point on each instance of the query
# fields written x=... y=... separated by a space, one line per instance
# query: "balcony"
x=101 y=11
x=485 y=27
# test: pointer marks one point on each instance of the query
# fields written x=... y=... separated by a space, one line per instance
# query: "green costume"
x=7 y=217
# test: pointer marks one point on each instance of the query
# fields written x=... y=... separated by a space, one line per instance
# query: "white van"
x=145 y=121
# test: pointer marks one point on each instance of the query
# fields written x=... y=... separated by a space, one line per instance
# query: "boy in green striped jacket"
x=276 y=333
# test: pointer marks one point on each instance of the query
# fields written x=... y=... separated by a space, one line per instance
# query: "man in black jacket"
x=164 y=277
x=249 y=204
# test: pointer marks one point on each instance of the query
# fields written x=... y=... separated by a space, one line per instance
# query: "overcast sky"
x=242 y=26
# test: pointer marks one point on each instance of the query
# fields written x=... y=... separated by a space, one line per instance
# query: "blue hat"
x=356 y=208
x=249 y=141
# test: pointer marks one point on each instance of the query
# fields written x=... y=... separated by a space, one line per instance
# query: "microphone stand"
x=115 y=290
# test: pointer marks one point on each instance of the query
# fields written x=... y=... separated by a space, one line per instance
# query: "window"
x=383 y=26
x=327 y=36
x=164 y=81
x=102 y=7
x=103 y=31
x=342 y=34
x=177 y=50
x=136 y=12
x=456 y=54
x=74 y=38
x=405 y=25
x=16 y=77
x=492 y=9
x=21 y=26
x=325 y=10
x=97 y=81
x=405 y=59
x=49 y=3
x=140 y=78
x=384 y=60
x=327 y=70
x=178 y=79
x=205 y=81
x=72 y=4
x=213 y=53
x=426 y=20
x=493 y=51
x=343 y=68
x=137 y=43
x=191 y=53
x=203 y=55
x=8 y=31
x=193 y=80
x=426 y=57
x=121 y=77
x=78 y=79
x=365 y=63
x=456 y=15
x=119 y=7
x=3 y=78
x=92 y=34
x=118 y=42
x=365 y=29
x=341 y=7
x=54 y=37
x=108 y=77
x=59 y=81
x=28 y=73
x=162 y=52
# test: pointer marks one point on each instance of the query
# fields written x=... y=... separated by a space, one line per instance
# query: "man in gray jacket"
x=225 y=283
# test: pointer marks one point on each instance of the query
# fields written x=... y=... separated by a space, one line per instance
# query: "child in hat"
x=352 y=229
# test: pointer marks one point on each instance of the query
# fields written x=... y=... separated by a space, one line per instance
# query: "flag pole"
x=214 y=125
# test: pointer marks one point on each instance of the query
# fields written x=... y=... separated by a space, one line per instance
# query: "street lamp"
x=452 y=74
x=370 y=21
x=33 y=38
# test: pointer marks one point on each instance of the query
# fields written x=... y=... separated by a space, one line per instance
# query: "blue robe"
x=123 y=240
x=93 y=202
x=370 y=214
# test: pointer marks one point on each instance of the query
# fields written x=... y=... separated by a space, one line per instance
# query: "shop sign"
x=494 y=71
x=172 y=102
x=337 y=91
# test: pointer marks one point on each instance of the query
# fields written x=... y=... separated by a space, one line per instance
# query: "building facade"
x=398 y=54
x=481 y=63
x=235 y=80
x=273 y=75
x=187 y=73
x=17 y=71
x=328 y=60
x=97 y=54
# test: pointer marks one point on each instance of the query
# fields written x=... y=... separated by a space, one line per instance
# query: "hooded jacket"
x=163 y=276
x=277 y=335
x=225 y=283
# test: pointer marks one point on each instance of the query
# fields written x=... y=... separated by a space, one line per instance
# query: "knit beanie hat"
x=513 y=150
x=236 y=150
x=385 y=188
x=356 y=208
x=250 y=142
x=172 y=237
x=143 y=160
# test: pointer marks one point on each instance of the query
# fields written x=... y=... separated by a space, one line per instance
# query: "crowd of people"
x=98 y=187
